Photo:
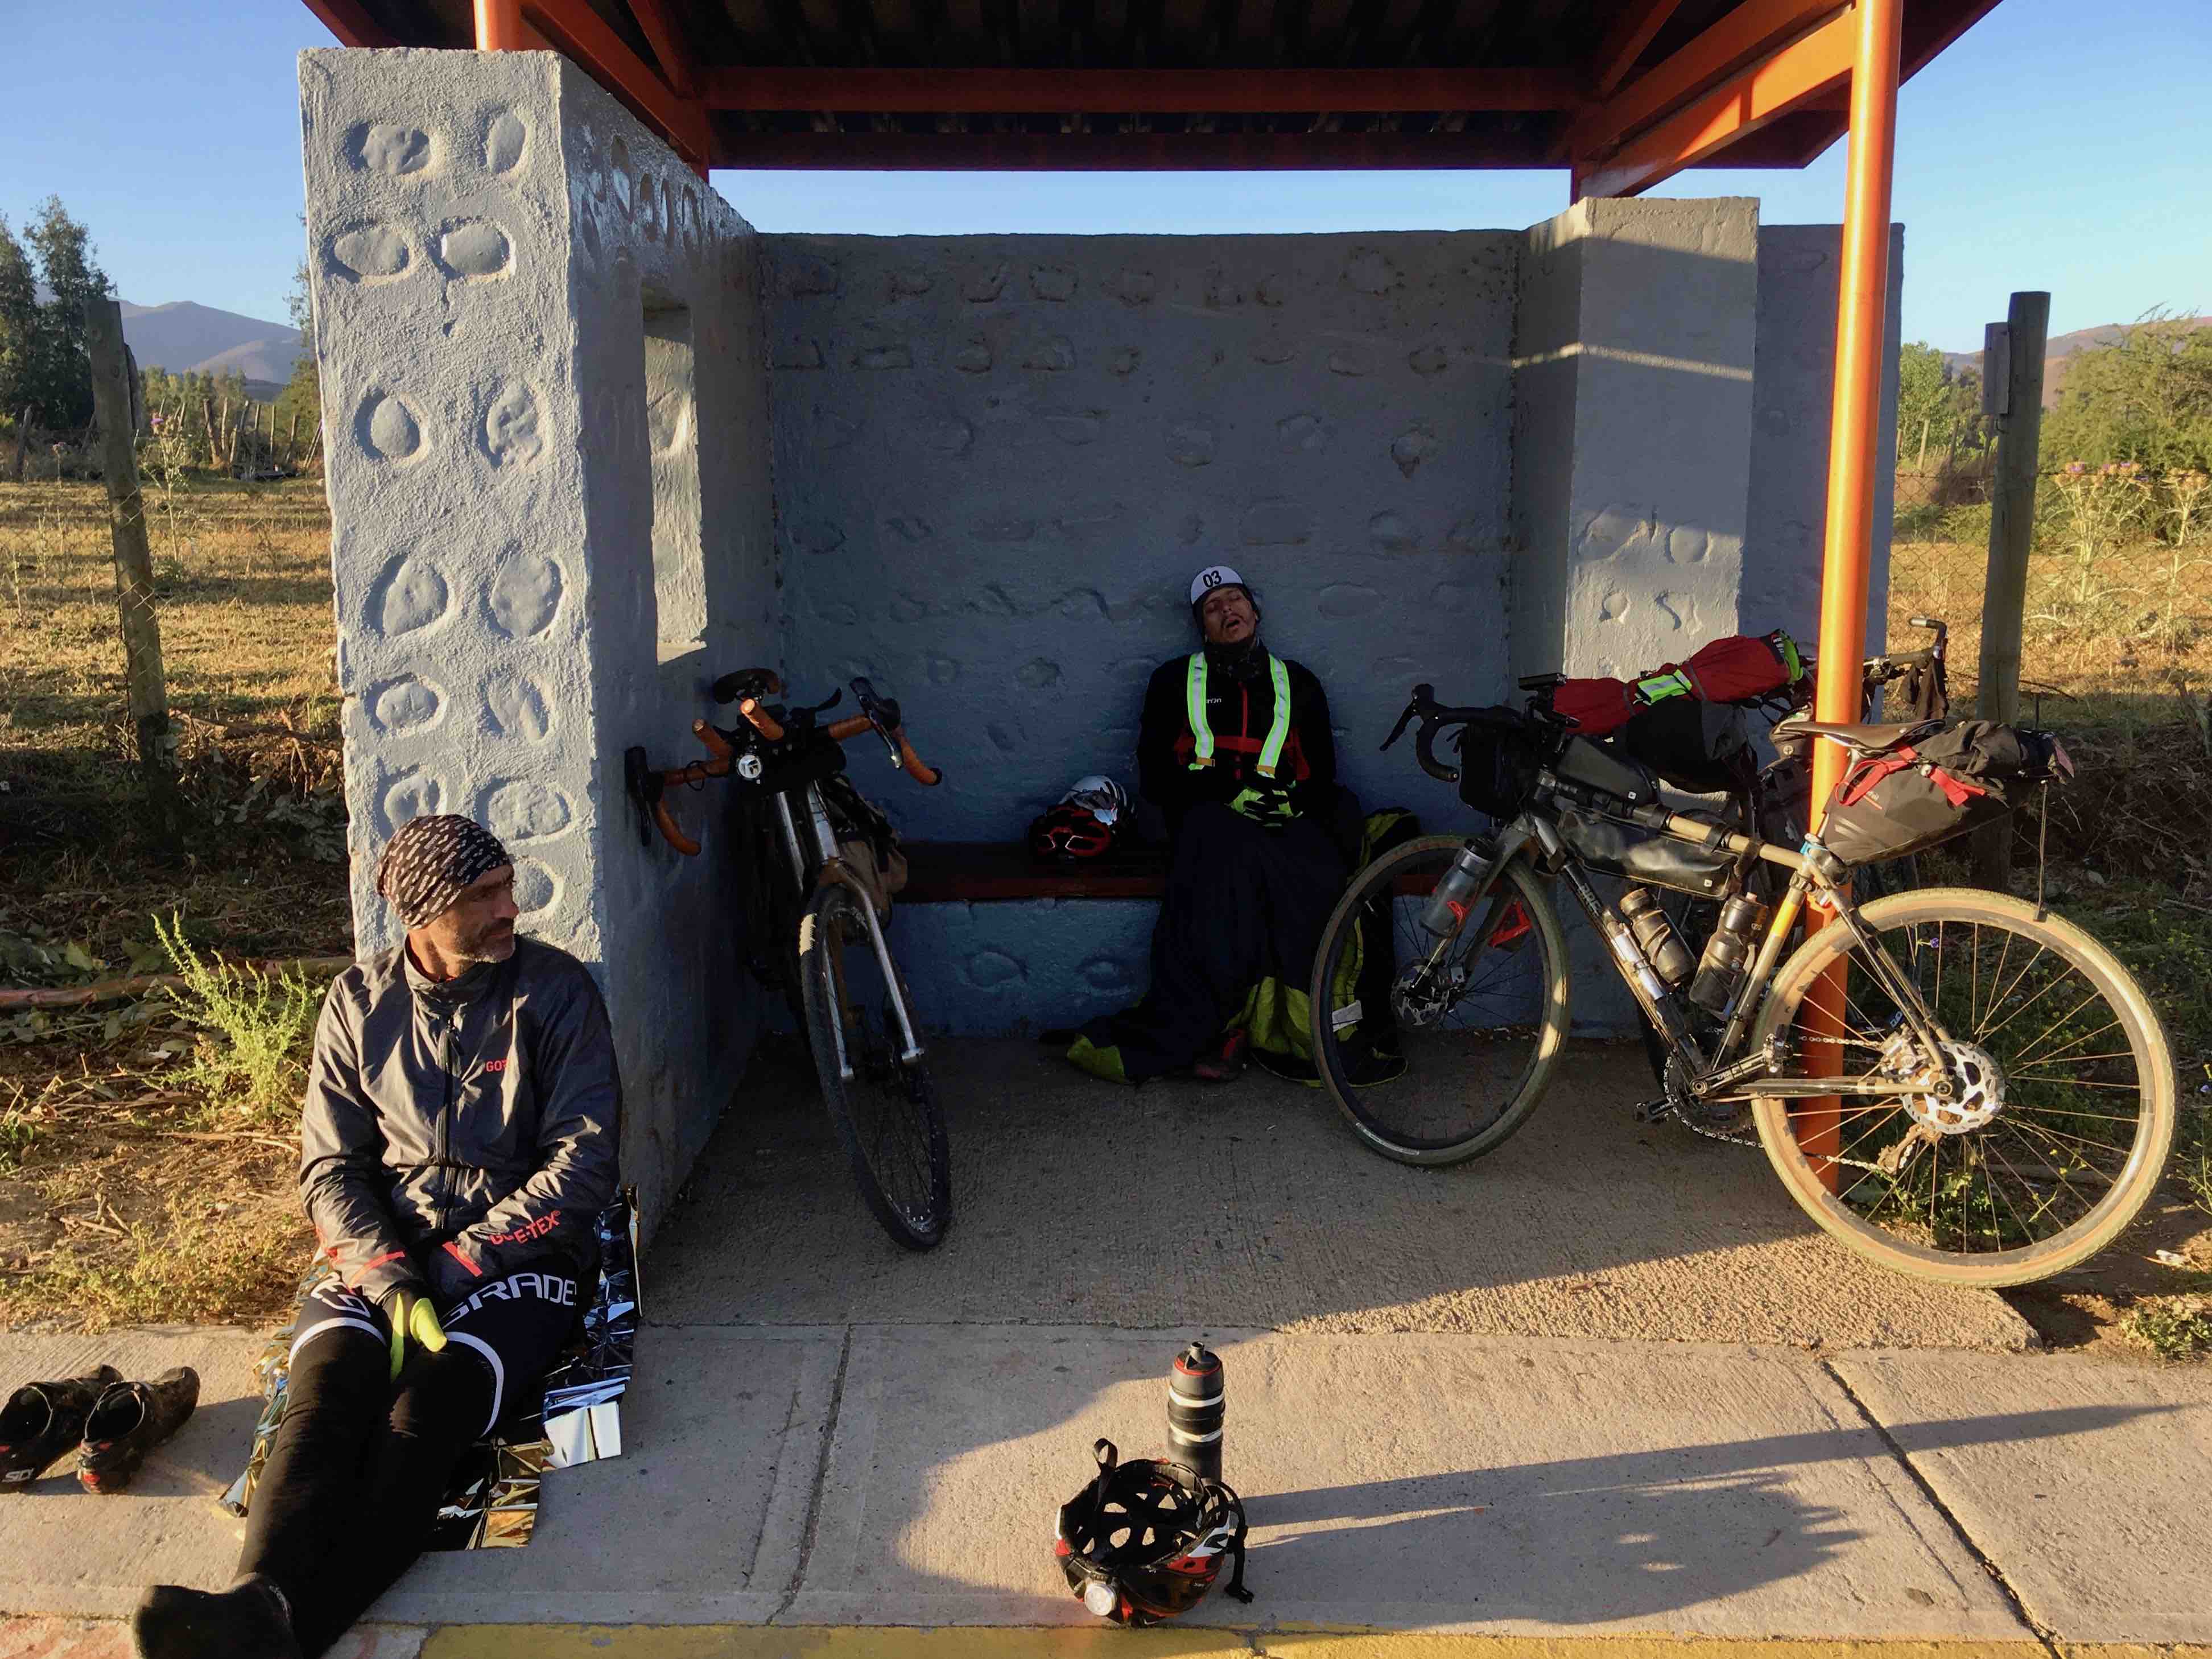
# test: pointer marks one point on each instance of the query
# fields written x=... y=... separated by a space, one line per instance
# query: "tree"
x=2146 y=398
x=19 y=325
x=300 y=402
x=55 y=373
x=1923 y=402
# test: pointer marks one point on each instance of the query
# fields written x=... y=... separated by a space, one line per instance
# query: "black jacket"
x=455 y=1130
x=1239 y=710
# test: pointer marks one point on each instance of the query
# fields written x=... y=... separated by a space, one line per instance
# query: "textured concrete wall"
x=484 y=233
x=1792 y=392
x=999 y=461
x=1633 y=364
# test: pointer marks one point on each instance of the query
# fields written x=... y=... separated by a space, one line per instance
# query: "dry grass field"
x=146 y=1161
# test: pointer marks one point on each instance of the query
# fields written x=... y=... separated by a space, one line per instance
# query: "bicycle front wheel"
x=1437 y=1050
x=884 y=1110
x=2062 y=1112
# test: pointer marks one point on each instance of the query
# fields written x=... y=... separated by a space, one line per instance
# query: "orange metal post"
x=498 y=26
x=1861 y=317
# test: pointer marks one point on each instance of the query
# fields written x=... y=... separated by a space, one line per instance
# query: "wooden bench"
x=982 y=872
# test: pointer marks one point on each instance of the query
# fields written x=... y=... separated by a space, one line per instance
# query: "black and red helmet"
x=1084 y=821
x=1145 y=1540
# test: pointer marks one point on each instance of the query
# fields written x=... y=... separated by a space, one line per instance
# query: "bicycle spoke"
x=2021 y=1058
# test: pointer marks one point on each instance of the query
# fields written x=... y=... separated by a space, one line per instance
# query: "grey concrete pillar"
x=539 y=339
x=1633 y=353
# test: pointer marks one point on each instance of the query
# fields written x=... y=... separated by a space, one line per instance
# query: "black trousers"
x=1244 y=903
x=360 y=1463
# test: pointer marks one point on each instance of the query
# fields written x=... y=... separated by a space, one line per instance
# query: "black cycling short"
x=515 y=1325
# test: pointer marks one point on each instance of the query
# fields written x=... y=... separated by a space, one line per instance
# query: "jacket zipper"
x=445 y=1124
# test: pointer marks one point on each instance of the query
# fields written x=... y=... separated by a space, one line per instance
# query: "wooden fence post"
x=2018 y=407
x=134 y=564
x=22 y=441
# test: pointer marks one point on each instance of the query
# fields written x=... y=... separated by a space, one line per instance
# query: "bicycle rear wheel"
x=885 y=1110
x=1468 y=1031
x=2063 y=1110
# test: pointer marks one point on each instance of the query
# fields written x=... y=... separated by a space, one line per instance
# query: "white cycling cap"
x=1213 y=576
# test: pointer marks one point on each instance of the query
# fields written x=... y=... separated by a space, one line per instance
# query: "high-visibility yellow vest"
x=1279 y=729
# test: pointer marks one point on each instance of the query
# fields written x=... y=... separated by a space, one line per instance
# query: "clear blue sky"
x=2059 y=145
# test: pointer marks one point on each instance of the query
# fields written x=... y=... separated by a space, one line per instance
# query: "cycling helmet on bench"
x=1145 y=1540
x=1084 y=821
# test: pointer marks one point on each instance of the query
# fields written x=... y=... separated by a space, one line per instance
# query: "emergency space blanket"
x=493 y=1501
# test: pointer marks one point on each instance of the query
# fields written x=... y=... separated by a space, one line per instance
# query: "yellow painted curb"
x=1104 y=1642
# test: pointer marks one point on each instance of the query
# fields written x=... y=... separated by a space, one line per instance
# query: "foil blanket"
x=492 y=1503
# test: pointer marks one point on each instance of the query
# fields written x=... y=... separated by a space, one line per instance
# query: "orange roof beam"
x=665 y=34
x=1809 y=72
x=350 y=21
x=1152 y=92
x=582 y=36
x=1625 y=42
x=1742 y=39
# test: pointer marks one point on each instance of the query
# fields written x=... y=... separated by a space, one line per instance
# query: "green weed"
x=255 y=1031
x=2171 y=1327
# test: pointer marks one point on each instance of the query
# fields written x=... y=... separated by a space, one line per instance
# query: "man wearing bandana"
x=1236 y=750
x=458 y=1144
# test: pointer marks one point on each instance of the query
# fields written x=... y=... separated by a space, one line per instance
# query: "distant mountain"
x=2058 y=348
x=184 y=337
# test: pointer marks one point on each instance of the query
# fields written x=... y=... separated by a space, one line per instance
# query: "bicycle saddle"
x=1860 y=739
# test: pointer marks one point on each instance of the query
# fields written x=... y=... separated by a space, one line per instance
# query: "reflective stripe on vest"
x=1278 y=729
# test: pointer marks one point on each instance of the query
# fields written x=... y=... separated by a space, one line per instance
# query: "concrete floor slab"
x=1078 y=1201
x=63 y=1550
x=1399 y=1481
x=2085 y=1484
x=701 y=1518
x=723 y=1436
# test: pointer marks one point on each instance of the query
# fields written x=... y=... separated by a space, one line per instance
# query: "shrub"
x=255 y=1031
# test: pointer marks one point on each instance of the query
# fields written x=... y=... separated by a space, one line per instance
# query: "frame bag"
x=1655 y=860
x=1916 y=795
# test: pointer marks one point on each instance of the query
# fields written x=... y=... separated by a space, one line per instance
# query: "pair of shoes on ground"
x=250 y=1620
x=110 y=1424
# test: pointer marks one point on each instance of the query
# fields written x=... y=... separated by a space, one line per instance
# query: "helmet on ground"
x=1084 y=824
x=1145 y=1540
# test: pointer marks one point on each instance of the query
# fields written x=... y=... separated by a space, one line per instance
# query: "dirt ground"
x=130 y=1192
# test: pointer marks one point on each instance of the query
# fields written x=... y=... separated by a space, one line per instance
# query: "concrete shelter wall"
x=998 y=460
x=1633 y=364
x=483 y=230
x=1792 y=390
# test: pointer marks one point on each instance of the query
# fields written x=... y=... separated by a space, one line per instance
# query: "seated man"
x=1236 y=750
x=458 y=1143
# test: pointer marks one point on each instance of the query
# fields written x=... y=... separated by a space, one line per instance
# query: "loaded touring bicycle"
x=1955 y=1084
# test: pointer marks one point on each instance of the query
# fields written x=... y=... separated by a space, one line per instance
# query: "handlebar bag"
x=1499 y=756
x=1917 y=795
x=1656 y=860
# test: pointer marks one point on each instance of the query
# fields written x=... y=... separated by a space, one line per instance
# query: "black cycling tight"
x=360 y=1464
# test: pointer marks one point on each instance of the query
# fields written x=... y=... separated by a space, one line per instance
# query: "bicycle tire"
x=1920 y=931
x=1546 y=983
x=887 y=1116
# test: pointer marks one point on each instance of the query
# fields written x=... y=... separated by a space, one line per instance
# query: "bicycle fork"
x=825 y=839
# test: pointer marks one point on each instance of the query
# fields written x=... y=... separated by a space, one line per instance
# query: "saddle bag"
x=1619 y=849
x=1917 y=795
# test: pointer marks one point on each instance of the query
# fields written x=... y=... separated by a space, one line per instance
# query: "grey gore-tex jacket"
x=455 y=1129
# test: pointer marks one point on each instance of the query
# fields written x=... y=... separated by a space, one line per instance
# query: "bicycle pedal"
x=1654 y=1111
